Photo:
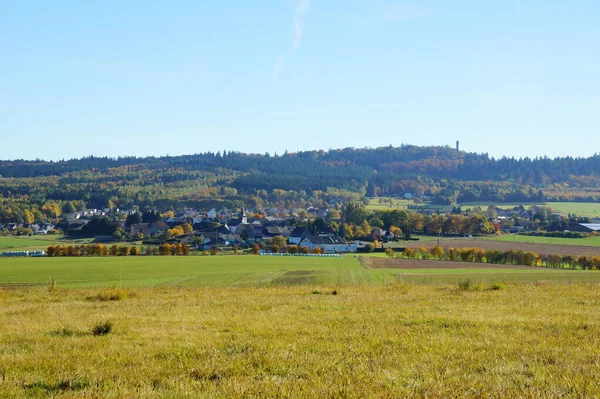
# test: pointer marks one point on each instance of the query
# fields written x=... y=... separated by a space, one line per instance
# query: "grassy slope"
x=391 y=341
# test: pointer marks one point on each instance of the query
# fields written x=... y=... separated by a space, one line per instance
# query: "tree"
x=150 y=217
x=187 y=228
x=437 y=252
x=355 y=213
x=114 y=250
x=279 y=241
x=133 y=218
x=134 y=251
x=28 y=216
x=68 y=208
x=390 y=252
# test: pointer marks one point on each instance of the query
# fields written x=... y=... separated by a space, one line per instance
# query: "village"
x=320 y=229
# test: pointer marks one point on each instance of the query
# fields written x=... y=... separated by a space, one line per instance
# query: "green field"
x=590 y=209
x=26 y=243
x=248 y=270
x=376 y=205
x=588 y=241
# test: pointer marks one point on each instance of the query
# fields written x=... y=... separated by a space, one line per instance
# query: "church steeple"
x=244 y=216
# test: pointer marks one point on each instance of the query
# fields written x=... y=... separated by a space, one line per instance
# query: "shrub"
x=51 y=284
x=103 y=328
x=496 y=286
x=465 y=285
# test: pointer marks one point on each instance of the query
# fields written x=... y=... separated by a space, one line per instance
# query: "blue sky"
x=131 y=77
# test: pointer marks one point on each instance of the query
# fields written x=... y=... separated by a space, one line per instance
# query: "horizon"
x=277 y=154
x=516 y=79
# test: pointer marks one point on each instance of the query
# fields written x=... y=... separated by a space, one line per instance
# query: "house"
x=329 y=244
x=184 y=239
x=139 y=228
x=378 y=234
x=587 y=227
x=298 y=234
x=273 y=231
x=211 y=214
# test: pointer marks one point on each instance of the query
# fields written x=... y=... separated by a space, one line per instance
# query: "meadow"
x=251 y=270
x=387 y=341
x=589 y=209
x=35 y=243
x=587 y=241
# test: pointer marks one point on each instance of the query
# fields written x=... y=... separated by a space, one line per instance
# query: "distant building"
x=329 y=244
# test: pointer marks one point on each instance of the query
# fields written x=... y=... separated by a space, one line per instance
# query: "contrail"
x=302 y=8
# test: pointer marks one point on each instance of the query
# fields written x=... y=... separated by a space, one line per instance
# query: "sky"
x=132 y=77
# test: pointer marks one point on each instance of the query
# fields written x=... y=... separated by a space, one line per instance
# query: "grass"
x=191 y=270
x=248 y=270
x=36 y=243
x=539 y=340
x=588 y=241
x=490 y=276
x=590 y=209
x=375 y=205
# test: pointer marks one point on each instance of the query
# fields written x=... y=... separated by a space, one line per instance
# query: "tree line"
x=493 y=256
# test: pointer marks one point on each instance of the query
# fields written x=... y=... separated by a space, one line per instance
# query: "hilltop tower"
x=457 y=145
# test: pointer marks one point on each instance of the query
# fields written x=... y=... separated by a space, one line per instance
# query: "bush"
x=368 y=248
x=103 y=328
x=465 y=285
x=496 y=286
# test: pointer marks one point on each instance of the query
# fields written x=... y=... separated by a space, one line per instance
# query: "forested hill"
x=441 y=172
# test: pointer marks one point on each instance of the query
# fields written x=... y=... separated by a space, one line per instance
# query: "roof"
x=336 y=240
x=301 y=232
x=591 y=226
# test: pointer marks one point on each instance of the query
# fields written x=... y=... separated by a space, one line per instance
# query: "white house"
x=329 y=244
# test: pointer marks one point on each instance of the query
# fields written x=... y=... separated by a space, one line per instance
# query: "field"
x=26 y=243
x=190 y=270
x=301 y=341
x=590 y=209
x=381 y=203
x=587 y=242
x=250 y=270
x=504 y=243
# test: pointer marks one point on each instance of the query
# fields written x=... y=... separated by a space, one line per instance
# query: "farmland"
x=589 y=209
x=249 y=270
x=542 y=245
x=26 y=243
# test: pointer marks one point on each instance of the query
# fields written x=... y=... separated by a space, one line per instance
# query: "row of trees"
x=493 y=256
x=116 y=250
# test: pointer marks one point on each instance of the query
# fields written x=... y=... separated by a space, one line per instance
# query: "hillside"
x=442 y=174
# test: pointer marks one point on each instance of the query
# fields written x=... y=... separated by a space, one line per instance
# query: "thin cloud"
x=302 y=7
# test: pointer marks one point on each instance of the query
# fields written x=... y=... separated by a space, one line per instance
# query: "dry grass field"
x=388 y=341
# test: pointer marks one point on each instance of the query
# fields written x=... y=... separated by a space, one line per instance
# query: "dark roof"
x=301 y=232
x=325 y=240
